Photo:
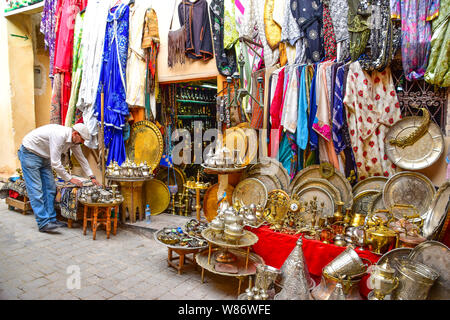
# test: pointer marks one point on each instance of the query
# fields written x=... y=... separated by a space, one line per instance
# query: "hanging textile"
x=270 y=56
x=48 y=28
x=415 y=16
x=309 y=16
x=382 y=38
x=313 y=136
x=198 y=31
x=339 y=15
x=77 y=70
x=290 y=107
x=55 y=104
x=92 y=43
x=135 y=73
x=276 y=113
x=225 y=58
x=302 y=112
x=272 y=29
x=372 y=107
x=438 y=72
x=113 y=82
x=257 y=110
x=329 y=37
x=358 y=26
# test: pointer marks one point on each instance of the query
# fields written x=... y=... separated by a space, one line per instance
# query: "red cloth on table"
x=275 y=247
x=13 y=194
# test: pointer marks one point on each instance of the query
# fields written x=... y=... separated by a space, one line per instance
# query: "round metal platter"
x=318 y=182
x=437 y=256
x=409 y=188
x=277 y=206
x=268 y=182
x=437 y=212
x=157 y=196
x=322 y=196
x=423 y=153
x=337 y=179
x=270 y=166
x=210 y=205
x=274 y=180
x=362 y=201
x=371 y=183
x=250 y=191
x=145 y=143
x=235 y=139
x=391 y=255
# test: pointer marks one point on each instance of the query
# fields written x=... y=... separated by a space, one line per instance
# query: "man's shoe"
x=49 y=227
x=60 y=224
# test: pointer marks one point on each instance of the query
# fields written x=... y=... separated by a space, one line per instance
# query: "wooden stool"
x=182 y=257
x=96 y=211
x=23 y=206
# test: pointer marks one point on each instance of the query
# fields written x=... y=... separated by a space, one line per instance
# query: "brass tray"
x=274 y=180
x=268 y=182
x=362 y=202
x=235 y=139
x=322 y=195
x=253 y=260
x=250 y=191
x=409 y=188
x=371 y=183
x=392 y=254
x=323 y=183
x=247 y=240
x=423 y=153
x=145 y=144
x=210 y=205
x=270 y=166
x=157 y=196
x=179 y=247
x=277 y=206
x=179 y=175
x=437 y=256
x=437 y=212
x=337 y=179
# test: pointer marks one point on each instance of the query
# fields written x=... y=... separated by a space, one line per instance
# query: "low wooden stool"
x=182 y=257
x=22 y=204
x=100 y=214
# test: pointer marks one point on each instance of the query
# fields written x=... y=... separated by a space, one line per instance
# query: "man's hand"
x=94 y=181
x=76 y=182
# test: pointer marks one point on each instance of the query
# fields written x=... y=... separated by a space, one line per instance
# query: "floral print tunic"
x=372 y=107
x=415 y=16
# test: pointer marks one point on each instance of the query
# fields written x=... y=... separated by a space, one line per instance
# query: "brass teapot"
x=380 y=239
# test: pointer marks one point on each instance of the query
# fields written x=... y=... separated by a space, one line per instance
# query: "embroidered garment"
x=231 y=34
x=372 y=107
x=77 y=70
x=198 y=31
x=136 y=66
x=382 y=38
x=113 y=82
x=225 y=58
x=313 y=136
x=329 y=37
x=309 y=16
x=48 y=28
x=271 y=28
x=92 y=42
x=322 y=123
x=415 y=16
x=358 y=26
x=438 y=72
x=270 y=57
x=338 y=111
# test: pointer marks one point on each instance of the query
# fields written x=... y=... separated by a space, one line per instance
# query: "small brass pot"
x=381 y=239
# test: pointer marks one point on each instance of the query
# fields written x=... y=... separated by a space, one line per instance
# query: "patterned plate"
x=438 y=211
x=323 y=183
x=409 y=188
x=371 y=183
x=322 y=196
x=362 y=201
x=337 y=179
x=250 y=191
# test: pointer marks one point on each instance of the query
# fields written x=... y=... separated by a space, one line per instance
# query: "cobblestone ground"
x=35 y=265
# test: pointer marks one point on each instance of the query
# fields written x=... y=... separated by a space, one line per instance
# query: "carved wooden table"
x=131 y=190
x=100 y=214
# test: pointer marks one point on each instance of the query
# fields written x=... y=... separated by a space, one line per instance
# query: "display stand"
x=197 y=189
x=229 y=254
x=131 y=189
x=222 y=175
x=96 y=209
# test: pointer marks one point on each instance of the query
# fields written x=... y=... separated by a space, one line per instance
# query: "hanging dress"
x=113 y=80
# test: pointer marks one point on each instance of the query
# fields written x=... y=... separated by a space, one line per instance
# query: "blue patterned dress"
x=113 y=81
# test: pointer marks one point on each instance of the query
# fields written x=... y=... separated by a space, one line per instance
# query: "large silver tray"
x=371 y=183
x=437 y=256
x=337 y=179
x=423 y=153
x=437 y=212
x=391 y=255
x=308 y=194
x=156 y=234
x=409 y=188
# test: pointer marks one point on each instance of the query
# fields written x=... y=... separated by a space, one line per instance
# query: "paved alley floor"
x=69 y=265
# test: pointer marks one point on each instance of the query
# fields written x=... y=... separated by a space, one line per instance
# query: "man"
x=41 y=151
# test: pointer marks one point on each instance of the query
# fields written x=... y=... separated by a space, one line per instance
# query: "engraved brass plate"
x=157 y=196
x=277 y=206
x=250 y=191
x=371 y=183
x=321 y=195
x=362 y=202
x=145 y=144
x=409 y=188
x=337 y=179
x=437 y=212
x=271 y=167
x=423 y=153
x=318 y=182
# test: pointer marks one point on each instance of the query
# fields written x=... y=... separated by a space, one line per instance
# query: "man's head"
x=80 y=133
